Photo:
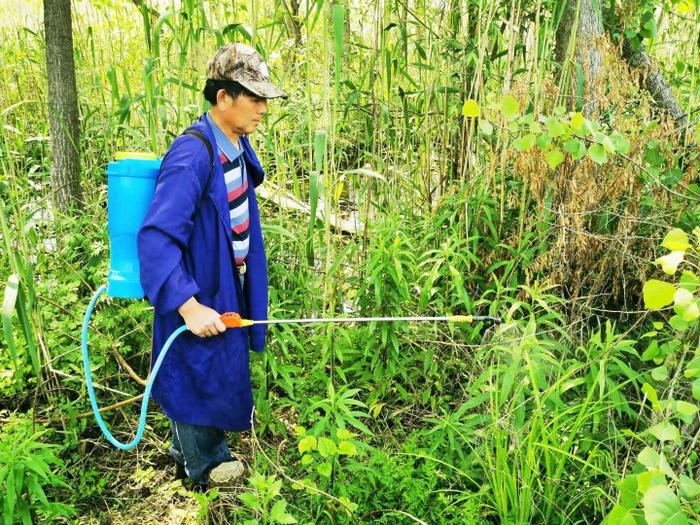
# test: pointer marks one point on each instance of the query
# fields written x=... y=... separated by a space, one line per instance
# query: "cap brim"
x=263 y=89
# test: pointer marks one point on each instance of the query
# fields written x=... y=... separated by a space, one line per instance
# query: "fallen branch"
x=283 y=199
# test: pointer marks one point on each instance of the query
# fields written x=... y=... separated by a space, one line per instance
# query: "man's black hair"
x=212 y=87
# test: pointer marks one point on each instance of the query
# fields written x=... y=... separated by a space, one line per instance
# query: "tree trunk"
x=63 y=106
x=581 y=28
x=655 y=83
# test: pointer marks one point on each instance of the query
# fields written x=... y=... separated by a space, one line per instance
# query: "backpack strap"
x=210 y=150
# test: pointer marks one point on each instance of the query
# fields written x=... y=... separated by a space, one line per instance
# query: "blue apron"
x=185 y=250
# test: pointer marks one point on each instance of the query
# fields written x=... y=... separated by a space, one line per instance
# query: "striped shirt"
x=236 y=181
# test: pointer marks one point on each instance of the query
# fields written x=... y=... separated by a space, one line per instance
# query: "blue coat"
x=185 y=250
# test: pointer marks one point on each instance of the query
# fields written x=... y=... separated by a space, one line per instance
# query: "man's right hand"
x=201 y=320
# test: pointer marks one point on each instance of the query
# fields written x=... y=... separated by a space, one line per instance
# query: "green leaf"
x=325 y=469
x=347 y=448
x=577 y=121
x=622 y=145
x=556 y=128
x=279 y=514
x=660 y=373
x=685 y=305
x=669 y=263
x=575 y=148
x=597 y=154
x=510 y=107
x=677 y=323
x=689 y=281
x=661 y=507
x=689 y=488
x=485 y=127
x=665 y=431
x=307 y=443
x=649 y=457
x=299 y=430
x=658 y=294
x=471 y=109
x=343 y=433
x=628 y=491
x=250 y=500
x=648 y=479
x=525 y=142
x=695 y=386
x=676 y=240
x=554 y=158
x=686 y=409
x=621 y=515
x=327 y=447
x=307 y=459
x=543 y=141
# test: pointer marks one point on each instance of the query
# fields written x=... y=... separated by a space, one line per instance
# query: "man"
x=201 y=254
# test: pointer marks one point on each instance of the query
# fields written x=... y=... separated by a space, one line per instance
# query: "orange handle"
x=233 y=320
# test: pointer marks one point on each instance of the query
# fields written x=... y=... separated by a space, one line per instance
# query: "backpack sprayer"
x=131 y=179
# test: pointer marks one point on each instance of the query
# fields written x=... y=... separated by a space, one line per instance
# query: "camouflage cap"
x=243 y=64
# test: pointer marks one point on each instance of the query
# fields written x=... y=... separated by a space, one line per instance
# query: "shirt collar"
x=223 y=143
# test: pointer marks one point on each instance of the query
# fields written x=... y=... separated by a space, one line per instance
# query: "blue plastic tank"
x=131 y=182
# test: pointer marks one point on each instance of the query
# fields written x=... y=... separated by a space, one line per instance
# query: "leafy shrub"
x=25 y=474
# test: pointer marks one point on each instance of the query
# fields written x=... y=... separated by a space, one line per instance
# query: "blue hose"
x=149 y=383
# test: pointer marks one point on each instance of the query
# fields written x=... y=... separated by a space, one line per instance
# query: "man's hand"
x=201 y=320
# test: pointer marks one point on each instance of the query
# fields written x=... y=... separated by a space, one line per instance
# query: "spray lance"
x=132 y=178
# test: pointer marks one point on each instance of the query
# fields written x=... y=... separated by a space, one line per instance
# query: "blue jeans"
x=199 y=448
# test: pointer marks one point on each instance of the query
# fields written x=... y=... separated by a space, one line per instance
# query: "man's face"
x=242 y=114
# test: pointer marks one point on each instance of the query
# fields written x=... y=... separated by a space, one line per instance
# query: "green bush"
x=26 y=473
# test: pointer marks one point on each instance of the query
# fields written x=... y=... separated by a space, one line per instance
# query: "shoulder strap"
x=210 y=150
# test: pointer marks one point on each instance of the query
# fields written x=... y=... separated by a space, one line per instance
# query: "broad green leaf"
x=689 y=281
x=525 y=142
x=669 y=263
x=543 y=141
x=307 y=443
x=676 y=240
x=327 y=447
x=685 y=305
x=556 y=128
x=622 y=145
x=649 y=479
x=621 y=515
x=665 y=431
x=649 y=457
x=628 y=491
x=250 y=500
x=686 y=409
x=471 y=108
x=325 y=469
x=347 y=448
x=575 y=148
x=279 y=514
x=689 y=488
x=661 y=507
x=677 y=323
x=597 y=154
x=695 y=385
x=577 y=121
x=658 y=294
x=554 y=158
x=608 y=145
x=692 y=369
x=307 y=459
x=485 y=127
x=343 y=433
x=652 y=396
x=660 y=373
x=299 y=430
x=510 y=107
